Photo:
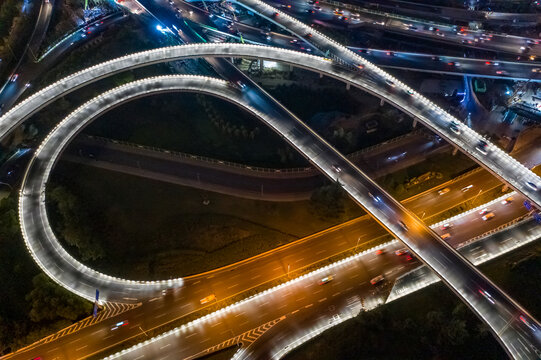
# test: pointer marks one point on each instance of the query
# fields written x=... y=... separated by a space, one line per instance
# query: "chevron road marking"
x=243 y=339
x=110 y=310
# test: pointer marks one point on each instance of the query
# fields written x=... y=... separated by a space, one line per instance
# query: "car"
x=14 y=77
x=484 y=211
x=536 y=70
x=317 y=7
x=207 y=299
x=27 y=85
x=501 y=72
x=436 y=58
x=446 y=226
x=390 y=53
x=167 y=291
x=336 y=168
x=379 y=251
x=466 y=188
x=389 y=82
x=488 y=216
x=454 y=127
x=375 y=198
x=445 y=236
x=531 y=185
x=410 y=92
x=444 y=191
x=241 y=84
x=403 y=225
x=400 y=252
x=288 y=6
x=482 y=147
x=527 y=323
x=487 y=296
x=507 y=200
x=492 y=63
x=378 y=279
x=120 y=324
x=325 y=280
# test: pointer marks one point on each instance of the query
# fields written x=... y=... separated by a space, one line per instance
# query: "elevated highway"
x=454 y=270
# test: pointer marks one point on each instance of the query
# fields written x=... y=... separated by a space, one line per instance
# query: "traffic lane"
x=186 y=301
x=446 y=34
x=453 y=193
x=29 y=71
x=289 y=300
x=198 y=173
x=451 y=267
x=451 y=65
x=459 y=230
x=299 y=184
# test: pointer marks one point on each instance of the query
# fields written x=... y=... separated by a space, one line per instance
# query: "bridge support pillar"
x=455 y=150
x=261 y=64
x=381 y=102
x=320 y=75
x=348 y=86
x=414 y=123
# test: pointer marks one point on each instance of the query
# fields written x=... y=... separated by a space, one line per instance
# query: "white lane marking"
x=163 y=347
x=81 y=348
x=322 y=300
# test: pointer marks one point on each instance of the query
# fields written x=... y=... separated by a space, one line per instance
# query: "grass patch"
x=198 y=124
x=164 y=230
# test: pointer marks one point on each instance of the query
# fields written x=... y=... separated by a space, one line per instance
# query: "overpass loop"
x=41 y=241
x=456 y=272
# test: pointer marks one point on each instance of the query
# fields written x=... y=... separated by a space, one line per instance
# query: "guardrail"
x=298 y=170
x=513 y=222
x=205 y=159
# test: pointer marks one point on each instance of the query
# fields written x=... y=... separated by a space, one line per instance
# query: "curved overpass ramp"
x=387 y=87
x=506 y=319
x=371 y=79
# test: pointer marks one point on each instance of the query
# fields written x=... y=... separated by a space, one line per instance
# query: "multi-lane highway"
x=233 y=279
x=465 y=281
x=315 y=151
x=350 y=15
x=450 y=267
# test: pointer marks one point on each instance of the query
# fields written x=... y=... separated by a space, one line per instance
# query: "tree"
x=49 y=301
x=74 y=226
